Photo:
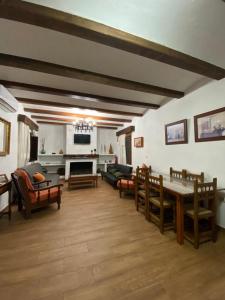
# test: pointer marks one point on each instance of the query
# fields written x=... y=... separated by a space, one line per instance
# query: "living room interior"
x=112 y=138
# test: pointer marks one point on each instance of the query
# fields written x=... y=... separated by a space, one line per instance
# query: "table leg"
x=10 y=210
x=180 y=219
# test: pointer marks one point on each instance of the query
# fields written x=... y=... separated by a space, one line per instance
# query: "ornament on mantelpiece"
x=101 y=149
x=110 y=149
x=61 y=151
x=43 y=146
x=104 y=148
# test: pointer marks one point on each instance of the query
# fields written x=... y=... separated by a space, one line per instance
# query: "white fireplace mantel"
x=70 y=160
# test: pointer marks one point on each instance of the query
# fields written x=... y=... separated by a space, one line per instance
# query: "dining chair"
x=178 y=174
x=202 y=213
x=159 y=209
x=193 y=177
x=140 y=188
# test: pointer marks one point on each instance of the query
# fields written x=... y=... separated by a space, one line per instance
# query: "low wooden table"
x=6 y=187
x=82 y=180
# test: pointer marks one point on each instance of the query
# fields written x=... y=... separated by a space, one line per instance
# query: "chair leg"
x=58 y=202
x=161 y=224
x=196 y=234
x=120 y=192
x=214 y=233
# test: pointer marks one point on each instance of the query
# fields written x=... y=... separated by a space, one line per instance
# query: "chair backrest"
x=24 y=185
x=178 y=174
x=193 y=177
x=141 y=176
x=205 y=192
x=156 y=184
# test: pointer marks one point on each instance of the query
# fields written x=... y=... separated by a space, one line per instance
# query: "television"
x=82 y=138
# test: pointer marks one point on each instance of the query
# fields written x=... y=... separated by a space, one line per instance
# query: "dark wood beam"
x=126 y=130
x=68 y=72
x=66 y=105
x=58 y=123
x=50 y=18
x=68 y=114
x=27 y=121
x=72 y=94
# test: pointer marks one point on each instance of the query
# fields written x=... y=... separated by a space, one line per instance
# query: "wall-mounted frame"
x=176 y=133
x=139 y=142
x=210 y=126
x=5 y=128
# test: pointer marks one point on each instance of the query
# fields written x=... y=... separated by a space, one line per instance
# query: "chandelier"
x=83 y=125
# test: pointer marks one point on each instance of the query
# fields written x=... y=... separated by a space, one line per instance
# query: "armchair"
x=32 y=196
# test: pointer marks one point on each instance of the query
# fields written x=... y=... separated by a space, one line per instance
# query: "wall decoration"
x=5 y=128
x=210 y=126
x=139 y=142
x=110 y=149
x=176 y=133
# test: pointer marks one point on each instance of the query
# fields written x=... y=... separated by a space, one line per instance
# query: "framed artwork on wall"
x=5 y=128
x=139 y=142
x=176 y=133
x=210 y=126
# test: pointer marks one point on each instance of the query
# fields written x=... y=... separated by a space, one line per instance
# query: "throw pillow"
x=38 y=177
x=113 y=171
x=118 y=174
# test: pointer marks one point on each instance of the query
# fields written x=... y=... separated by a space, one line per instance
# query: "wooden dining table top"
x=176 y=185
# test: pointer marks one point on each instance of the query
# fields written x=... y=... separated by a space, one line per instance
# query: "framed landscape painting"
x=210 y=126
x=139 y=142
x=176 y=133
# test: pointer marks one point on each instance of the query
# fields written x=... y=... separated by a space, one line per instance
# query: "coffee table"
x=82 y=180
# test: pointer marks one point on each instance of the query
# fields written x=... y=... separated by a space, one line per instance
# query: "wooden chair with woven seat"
x=140 y=188
x=178 y=174
x=203 y=211
x=34 y=198
x=193 y=177
x=158 y=206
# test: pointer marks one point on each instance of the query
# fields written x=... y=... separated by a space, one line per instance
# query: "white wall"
x=8 y=163
x=55 y=137
x=208 y=157
x=106 y=137
x=72 y=148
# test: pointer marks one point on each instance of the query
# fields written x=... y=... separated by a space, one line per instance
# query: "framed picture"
x=3 y=179
x=4 y=137
x=176 y=133
x=139 y=142
x=210 y=126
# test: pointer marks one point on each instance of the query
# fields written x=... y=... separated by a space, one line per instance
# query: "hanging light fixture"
x=83 y=125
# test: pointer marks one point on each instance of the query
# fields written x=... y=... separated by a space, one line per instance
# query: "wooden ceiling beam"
x=60 y=123
x=66 y=105
x=60 y=21
x=73 y=94
x=68 y=114
x=68 y=72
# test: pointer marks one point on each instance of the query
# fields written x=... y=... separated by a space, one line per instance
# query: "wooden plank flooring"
x=97 y=247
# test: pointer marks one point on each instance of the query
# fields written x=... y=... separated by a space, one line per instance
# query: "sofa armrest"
x=48 y=187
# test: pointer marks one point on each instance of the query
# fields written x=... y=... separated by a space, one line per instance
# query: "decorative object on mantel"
x=104 y=148
x=139 y=142
x=101 y=149
x=43 y=146
x=61 y=151
x=110 y=149
x=5 y=128
x=91 y=152
x=176 y=133
x=210 y=126
x=94 y=151
x=83 y=125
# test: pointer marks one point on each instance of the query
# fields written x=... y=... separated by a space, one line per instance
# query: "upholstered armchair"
x=32 y=195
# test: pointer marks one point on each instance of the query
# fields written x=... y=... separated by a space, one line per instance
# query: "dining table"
x=182 y=190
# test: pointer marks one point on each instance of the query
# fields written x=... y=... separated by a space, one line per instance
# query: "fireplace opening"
x=80 y=168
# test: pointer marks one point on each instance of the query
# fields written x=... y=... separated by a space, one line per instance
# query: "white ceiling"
x=193 y=27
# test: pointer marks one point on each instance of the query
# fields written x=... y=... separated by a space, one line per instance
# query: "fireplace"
x=80 y=168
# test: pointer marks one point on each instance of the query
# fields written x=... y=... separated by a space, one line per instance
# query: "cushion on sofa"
x=118 y=174
x=38 y=177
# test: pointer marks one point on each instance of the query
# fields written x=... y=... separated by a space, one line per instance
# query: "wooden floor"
x=97 y=247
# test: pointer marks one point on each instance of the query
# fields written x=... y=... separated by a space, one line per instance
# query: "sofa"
x=115 y=172
x=36 y=167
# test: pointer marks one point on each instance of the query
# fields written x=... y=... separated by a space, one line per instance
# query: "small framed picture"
x=139 y=142
x=210 y=126
x=176 y=133
x=3 y=179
